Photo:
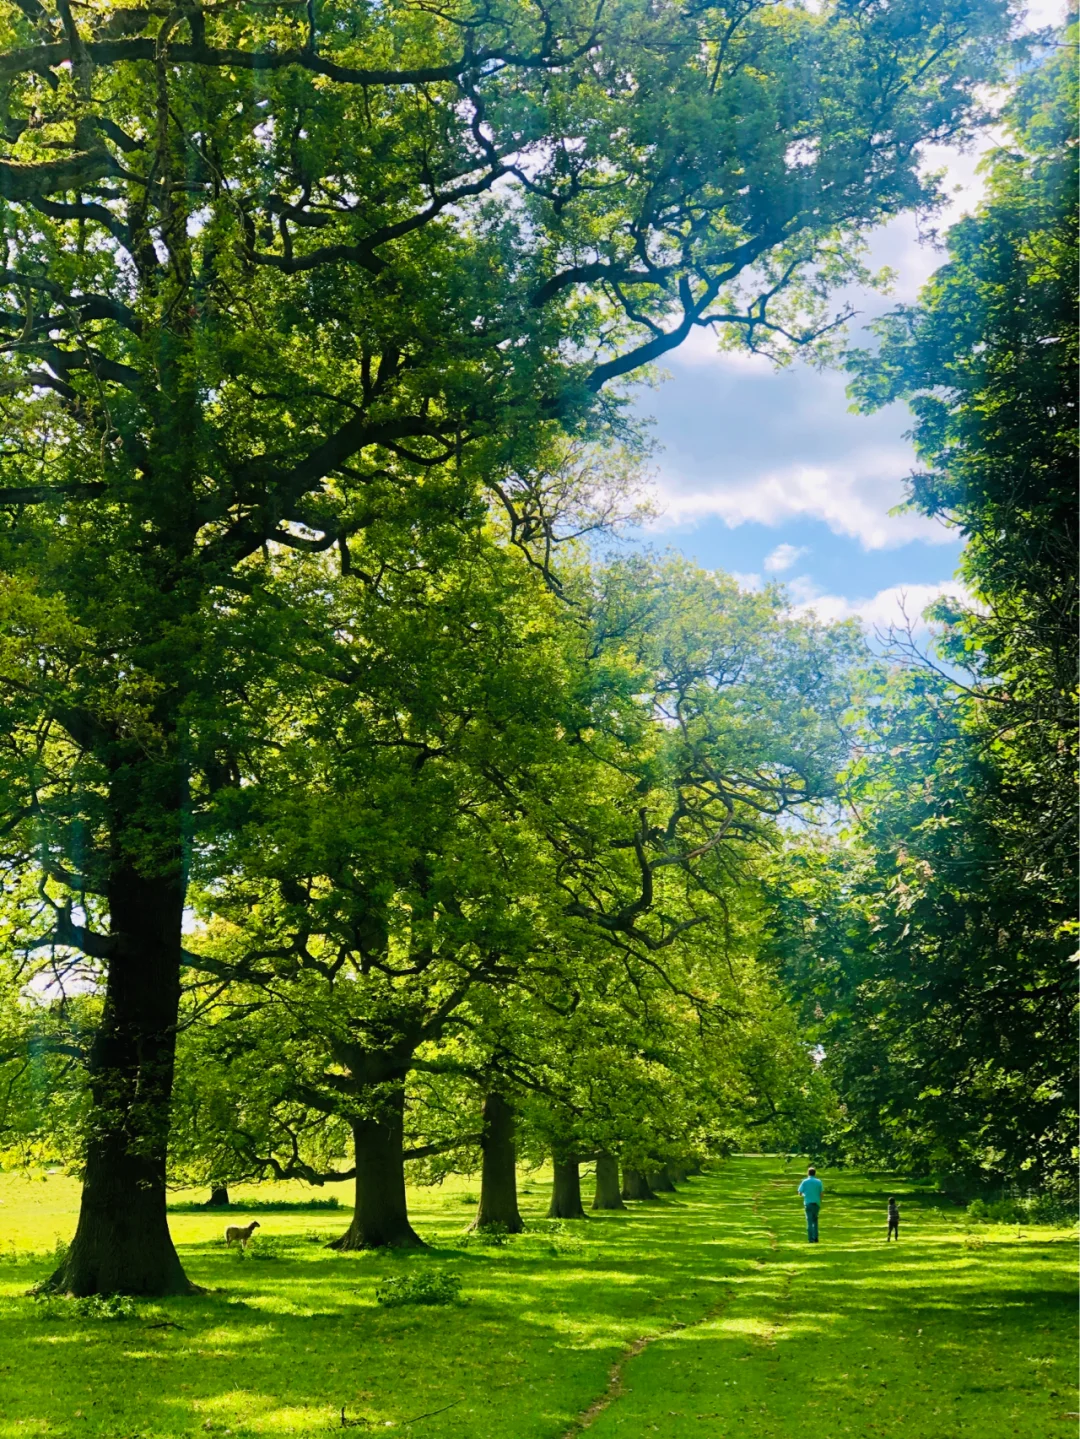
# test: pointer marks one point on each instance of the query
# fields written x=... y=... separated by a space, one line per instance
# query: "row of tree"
x=934 y=952
x=338 y=812
x=495 y=849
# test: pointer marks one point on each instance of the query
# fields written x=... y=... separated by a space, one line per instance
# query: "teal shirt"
x=811 y=1189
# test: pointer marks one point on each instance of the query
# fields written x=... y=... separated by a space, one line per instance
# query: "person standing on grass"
x=894 y=1220
x=811 y=1190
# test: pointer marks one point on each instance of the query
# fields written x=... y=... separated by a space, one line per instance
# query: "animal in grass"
x=894 y=1220
x=240 y=1234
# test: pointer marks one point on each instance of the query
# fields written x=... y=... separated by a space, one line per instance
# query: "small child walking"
x=894 y=1220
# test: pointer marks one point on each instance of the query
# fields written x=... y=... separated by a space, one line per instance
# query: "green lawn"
x=751 y=1332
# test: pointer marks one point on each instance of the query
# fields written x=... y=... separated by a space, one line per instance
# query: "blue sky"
x=768 y=475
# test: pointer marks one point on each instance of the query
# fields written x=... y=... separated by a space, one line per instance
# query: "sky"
x=768 y=475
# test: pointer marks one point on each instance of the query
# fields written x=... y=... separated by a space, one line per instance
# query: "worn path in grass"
x=955 y=1331
x=703 y=1315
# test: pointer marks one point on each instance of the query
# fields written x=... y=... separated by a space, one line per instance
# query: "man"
x=811 y=1189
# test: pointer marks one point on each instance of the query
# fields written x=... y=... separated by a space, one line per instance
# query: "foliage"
x=426 y=1286
x=495 y=1236
x=92 y=1306
x=931 y=970
x=264 y=1246
x=1023 y=1209
x=215 y=355
x=537 y=878
x=933 y=952
x=257 y=1206
x=987 y=362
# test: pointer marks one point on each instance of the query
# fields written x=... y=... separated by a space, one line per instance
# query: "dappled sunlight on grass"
x=753 y=1332
x=923 y=1339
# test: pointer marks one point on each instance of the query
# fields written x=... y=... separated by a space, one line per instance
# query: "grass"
x=704 y=1314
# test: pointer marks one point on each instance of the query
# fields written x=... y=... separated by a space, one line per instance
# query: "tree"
x=931 y=964
x=946 y=1002
x=482 y=795
x=987 y=362
x=276 y=276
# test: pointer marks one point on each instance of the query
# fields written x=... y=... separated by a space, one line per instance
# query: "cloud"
x=746 y=581
x=898 y=606
x=783 y=557
x=1038 y=13
x=852 y=498
x=701 y=347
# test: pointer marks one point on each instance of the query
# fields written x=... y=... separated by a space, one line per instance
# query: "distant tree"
x=935 y=952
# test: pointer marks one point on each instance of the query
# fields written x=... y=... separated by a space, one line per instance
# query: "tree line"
x=350 y=803
x=935 y=955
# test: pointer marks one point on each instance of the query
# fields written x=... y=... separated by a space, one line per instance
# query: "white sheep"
x=241 y=1233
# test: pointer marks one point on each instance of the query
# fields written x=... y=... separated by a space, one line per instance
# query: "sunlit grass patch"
x=752 y=1332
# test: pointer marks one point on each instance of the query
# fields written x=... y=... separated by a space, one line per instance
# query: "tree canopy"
x=935 y=954
x=332 y=768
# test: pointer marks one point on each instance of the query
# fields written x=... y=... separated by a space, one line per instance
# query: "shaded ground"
x=750 y=1331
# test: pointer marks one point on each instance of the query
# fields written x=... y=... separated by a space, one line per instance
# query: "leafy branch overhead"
x=528 y=202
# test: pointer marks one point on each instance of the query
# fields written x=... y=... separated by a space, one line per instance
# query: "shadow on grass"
x=260 y=1206
x=278 y=1347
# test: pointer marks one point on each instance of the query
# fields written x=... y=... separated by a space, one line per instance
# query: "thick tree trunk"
x=566 y=1191
x=660 y=1181
x=694 y=1169
x=635 y=1185
x=122 y=1243
x=607 y=1183
x=219 y=1197
x=498 y=1178
x=381 y=1216
x=676 y=1173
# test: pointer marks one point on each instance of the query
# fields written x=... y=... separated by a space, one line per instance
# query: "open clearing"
x=957 y=1331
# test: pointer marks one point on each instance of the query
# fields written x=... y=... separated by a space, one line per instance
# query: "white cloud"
x=783 y=557
x=701 y=347
x=1038 y=13
x=899 y=605
x=853 y=499
x=746 y=581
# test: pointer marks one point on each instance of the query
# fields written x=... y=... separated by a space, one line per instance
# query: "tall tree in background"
x=274 y=276
x=987 y=361
x=935 y=954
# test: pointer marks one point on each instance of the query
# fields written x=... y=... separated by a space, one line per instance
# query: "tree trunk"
x=219 y=1197
x=635 y=1185
x=607 y=1183
x=381 y=1216
x=122 y=1243
x=566 y=1191
x=676 y=1173
x=660 y=1181
x=694 y=1169
x=498 y=1178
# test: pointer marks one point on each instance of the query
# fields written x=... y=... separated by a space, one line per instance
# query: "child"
x=894 y=1220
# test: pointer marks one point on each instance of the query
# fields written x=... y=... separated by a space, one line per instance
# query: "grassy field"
x=705 y=1314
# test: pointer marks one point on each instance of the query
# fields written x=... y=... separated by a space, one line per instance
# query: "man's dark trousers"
x=811 y=1222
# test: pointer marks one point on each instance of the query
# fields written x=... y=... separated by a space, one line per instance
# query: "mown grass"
x=957 y=1331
